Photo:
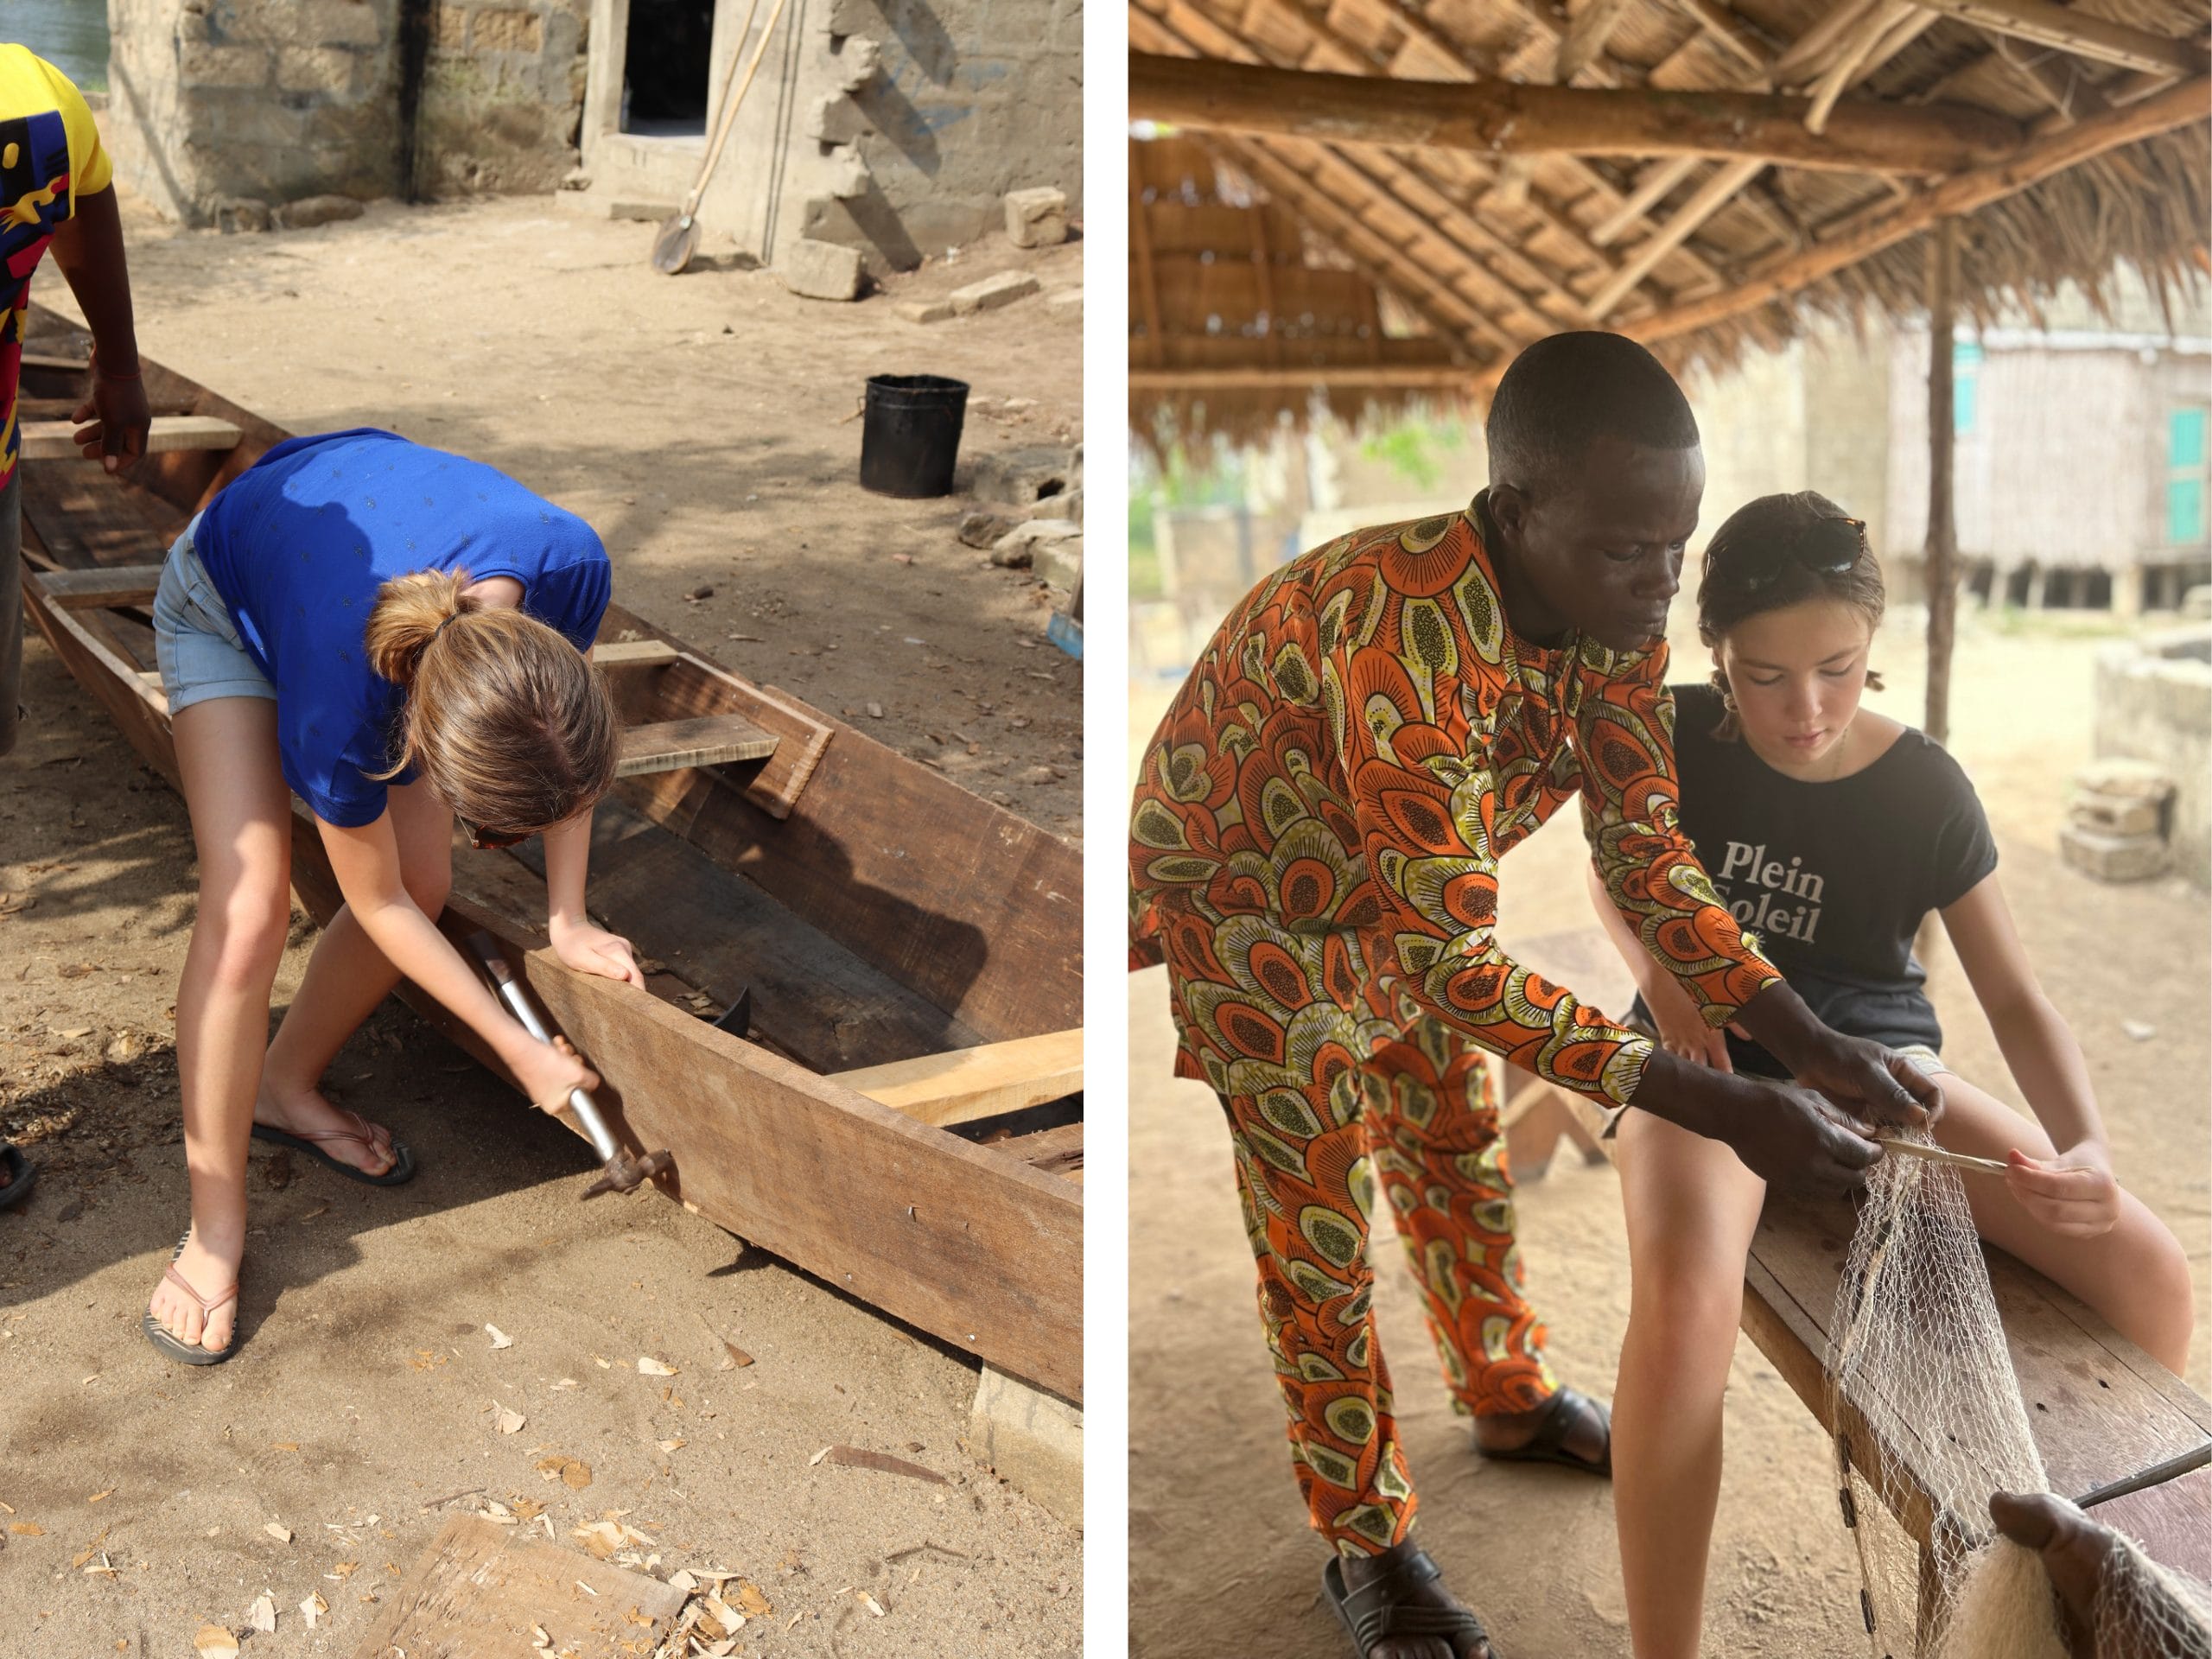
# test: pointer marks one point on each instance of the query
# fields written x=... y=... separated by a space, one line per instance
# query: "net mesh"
x=1929 y=1423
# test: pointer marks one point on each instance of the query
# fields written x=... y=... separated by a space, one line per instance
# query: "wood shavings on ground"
x=510 y=1420
x=648 y=1366
x=570 y=1472
x=214 y=1641
x=499 y=1338
x=314 y=1607
x=278 y=1530
x=261 y=1616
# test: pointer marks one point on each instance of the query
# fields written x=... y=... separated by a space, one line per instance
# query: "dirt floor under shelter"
x=1220 y=1558
x=698 y=423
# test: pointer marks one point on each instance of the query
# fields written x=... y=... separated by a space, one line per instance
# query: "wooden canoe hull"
x=959 y=903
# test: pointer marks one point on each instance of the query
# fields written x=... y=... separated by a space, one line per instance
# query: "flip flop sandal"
x=402 y=1162
x=1379 y=1610
x=1549 y=1443
x=189 y=1353
x=22 y=1175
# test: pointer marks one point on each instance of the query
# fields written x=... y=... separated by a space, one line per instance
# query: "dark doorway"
x=664 y=67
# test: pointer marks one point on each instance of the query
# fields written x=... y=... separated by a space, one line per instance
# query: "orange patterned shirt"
x=1365 y=738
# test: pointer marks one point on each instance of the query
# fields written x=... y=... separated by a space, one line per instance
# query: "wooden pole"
x=1496 y=119
x=2073 y=30
x=1940 y=566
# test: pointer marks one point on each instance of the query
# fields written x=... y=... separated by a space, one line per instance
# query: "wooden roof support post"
x=1940 y=567
x=2075 y=31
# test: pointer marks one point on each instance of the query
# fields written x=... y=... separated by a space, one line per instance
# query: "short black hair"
x=1567 y=390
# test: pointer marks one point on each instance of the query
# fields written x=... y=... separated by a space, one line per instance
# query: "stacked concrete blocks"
x=2117 y=819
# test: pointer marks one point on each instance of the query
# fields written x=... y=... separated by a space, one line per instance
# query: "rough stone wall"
x=501 y=96
x=2154 y=703
x=273 y=100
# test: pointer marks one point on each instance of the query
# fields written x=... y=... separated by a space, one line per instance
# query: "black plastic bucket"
x=910 y=436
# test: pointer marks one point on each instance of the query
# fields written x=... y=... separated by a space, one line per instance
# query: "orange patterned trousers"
x=1336 y=1094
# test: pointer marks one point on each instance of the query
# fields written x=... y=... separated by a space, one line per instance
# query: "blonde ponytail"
x=503 y=719
x=411 y=612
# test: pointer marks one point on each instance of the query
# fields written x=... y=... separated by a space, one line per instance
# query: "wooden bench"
x=2100 y=1408
x=55 y=440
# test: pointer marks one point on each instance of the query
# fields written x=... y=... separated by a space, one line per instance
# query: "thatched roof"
x=1317 y=230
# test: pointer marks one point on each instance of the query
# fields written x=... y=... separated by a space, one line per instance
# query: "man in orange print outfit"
x=1314 y=851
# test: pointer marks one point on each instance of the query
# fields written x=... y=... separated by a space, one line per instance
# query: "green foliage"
x=1414 y=448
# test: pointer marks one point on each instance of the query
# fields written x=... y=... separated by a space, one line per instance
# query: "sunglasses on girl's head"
x=485 y=841
x=1829 y=547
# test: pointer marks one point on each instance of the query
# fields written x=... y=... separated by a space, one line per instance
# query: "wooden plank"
x=973 y=909
x=814 y=998
x=55 y=360
x=53 y=440
x=480 y=1587
x=705 y=740
x=973 y=1247
x=972 y=1083
x=82 y=516
x=117 y=584
x=634 y=653
x=692 y=685
x=1056 y=1151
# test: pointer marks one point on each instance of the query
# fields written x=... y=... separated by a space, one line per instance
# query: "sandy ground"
x=367 y=1387
x=1535 y=1550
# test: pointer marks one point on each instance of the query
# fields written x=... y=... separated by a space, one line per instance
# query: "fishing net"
x=1920 y=1380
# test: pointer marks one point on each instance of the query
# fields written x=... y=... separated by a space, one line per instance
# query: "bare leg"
x=2135 y=1276
x=346 y=977
x=1692 y=1208
x=241 y=824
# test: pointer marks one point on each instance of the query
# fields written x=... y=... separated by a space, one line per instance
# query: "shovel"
x=679 y=236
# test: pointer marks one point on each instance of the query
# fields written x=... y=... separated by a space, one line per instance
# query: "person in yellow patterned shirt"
x=1314 y=852
x=55 y=187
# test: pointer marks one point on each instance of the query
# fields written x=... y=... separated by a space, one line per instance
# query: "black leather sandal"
x=1549 y=1444
x=1383 y=1609
x=22 y=1175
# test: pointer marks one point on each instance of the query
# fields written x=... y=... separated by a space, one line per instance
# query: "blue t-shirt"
x=298 y=544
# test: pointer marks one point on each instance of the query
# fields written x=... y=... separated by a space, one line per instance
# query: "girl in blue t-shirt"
x=1831 y=832
x=401 y=636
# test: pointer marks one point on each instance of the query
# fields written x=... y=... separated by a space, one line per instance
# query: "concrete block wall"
x=278 y=99
x=501 y=96
x=274 y=99
x=972 y=99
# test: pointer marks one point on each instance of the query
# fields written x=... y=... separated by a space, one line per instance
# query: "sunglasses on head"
x=485 y=841
x=1829 y=547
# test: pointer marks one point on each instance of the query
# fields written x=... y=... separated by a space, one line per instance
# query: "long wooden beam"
x=1497 y=117
x=2077 y=31
x=1373 y=376
x=2178 y=106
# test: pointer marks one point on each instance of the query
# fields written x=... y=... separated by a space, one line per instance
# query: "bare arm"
x=365 y=861
x=88 y=248
x=2077 y=1194
x=587 y=948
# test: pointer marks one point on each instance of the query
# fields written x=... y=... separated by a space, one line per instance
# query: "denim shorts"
x=195 y=643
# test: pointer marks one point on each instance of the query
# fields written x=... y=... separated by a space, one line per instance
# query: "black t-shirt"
x=1831 y=879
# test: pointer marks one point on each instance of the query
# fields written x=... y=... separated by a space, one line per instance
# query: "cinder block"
x=927 y=310
x=834 y=118
x=857 y=61
x=2113 y=815
x=335 y=22
x=821 y=270
x=2113 y=858
x=993 y=292
x=315 y=69
x=449 y=28
x=201 y=65
x=1032 y=1440
x=500 y=29
x=1060 y=562
x=1036 y=218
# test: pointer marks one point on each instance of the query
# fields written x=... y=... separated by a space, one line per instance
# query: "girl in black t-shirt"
x=1831 y=832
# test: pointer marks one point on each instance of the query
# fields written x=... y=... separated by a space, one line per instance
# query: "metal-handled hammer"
x=621 y=1172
